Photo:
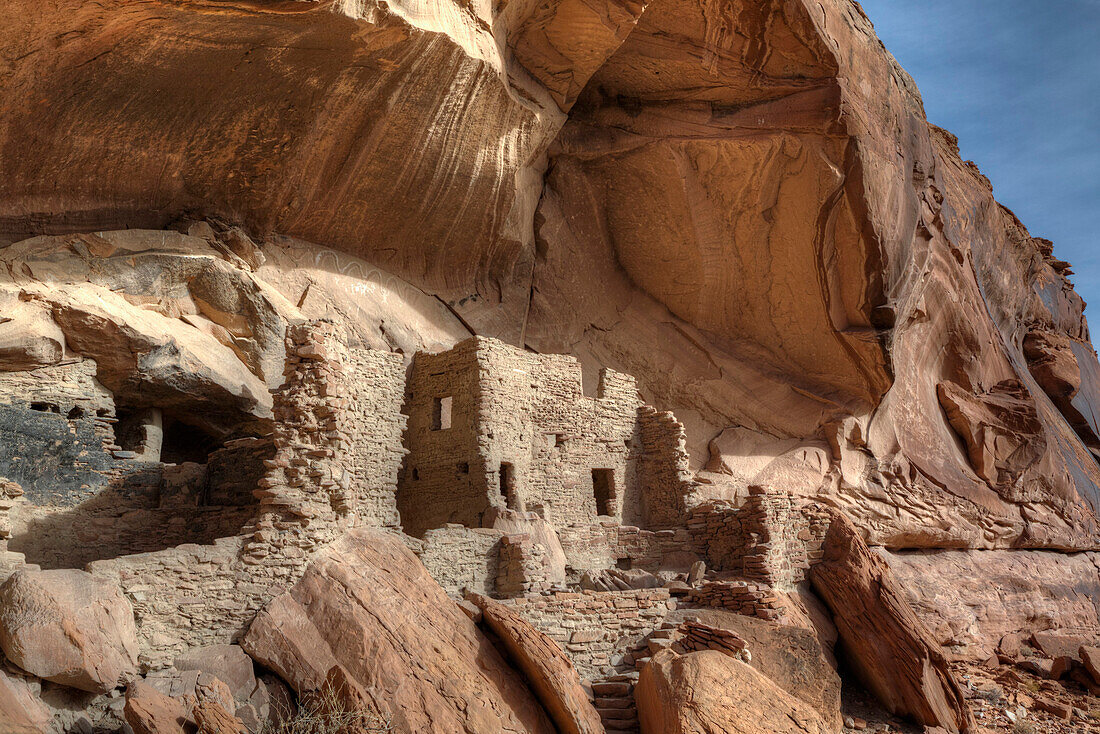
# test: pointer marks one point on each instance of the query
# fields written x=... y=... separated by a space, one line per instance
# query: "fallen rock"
x=893 y=653
x=228 y=663
x=549 y=672
x=792 y=658
x=148 y=711
x=68 y=627
x=21 y=711
x=1062 y=644
x=368 y=605
x=1058 y=709
x=1090 y=658
x=213 y=718
x=705 y=692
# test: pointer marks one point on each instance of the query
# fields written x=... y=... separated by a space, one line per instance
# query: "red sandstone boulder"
x=708 y=692
x=1090 y=656
x=68 y=627
x=20 y=710
x=549 y=672
x=791 y=657
x=368 y=605
x=886 y=643
x=148 y=711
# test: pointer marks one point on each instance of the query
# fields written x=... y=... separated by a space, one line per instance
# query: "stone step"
x=625 y=727
x=612 y=688
x=617 y=714
x=614 y=702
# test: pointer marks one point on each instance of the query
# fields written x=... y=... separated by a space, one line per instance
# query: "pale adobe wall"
x=444 y=476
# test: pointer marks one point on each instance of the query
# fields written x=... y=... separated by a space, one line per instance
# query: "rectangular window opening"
x=603 y=485
x=441 y=413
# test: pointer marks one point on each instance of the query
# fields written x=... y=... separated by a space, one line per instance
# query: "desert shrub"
x=324 y=712
x=1023 y=726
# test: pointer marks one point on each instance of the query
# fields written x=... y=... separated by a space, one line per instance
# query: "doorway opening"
x=603 y=485
x=508 y=486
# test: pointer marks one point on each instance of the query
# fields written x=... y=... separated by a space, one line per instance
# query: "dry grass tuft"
x=324 y=712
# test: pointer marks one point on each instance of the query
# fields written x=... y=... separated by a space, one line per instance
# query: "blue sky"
x=1019 y=82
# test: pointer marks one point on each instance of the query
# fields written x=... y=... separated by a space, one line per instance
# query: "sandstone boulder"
x=21 y=711
x=885 y=642
x=548 y=670
x=1090 y=658
x=148 y=711
x=793 y=658
x=68 y=627
x=711 y=693
x=228 y=663
x=368 y=605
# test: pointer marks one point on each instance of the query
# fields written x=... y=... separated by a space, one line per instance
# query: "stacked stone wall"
x=56 y=433
x=597 y=546
x=772 y=538
x=743 y=597
x=597 y=629
x=335 y=463
x=523 y=566
x=664 y=471
x=444 y=478
x=461 y=558
x=523 y=410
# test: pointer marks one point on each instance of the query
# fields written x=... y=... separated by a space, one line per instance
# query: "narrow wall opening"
x=603 y=486
x=441 y=413
x=508 y=486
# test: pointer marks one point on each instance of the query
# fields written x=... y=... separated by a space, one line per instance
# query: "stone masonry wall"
x=664 y=472
x=335 y=466
x=771 y=538
x=520 y=410
x=523 y=566
x=554 y=435
x=443 y=480
x=596 y=546
x=460 y=558
x=597 y=628
x=56 y=433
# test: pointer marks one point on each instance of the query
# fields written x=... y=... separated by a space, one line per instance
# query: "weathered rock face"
x=739 y=203
x=68 y=627
x=369 y=606
x=20 y=710
x=969 y=601
x=791 y=657
x=705 y=692
x=682 y=142
x=893 y=653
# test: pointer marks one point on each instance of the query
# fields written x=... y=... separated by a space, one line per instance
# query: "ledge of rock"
x=549 y=672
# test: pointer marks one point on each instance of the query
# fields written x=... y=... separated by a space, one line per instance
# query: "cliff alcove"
x=525 y=367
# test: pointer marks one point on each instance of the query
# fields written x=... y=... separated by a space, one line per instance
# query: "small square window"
x=441 y=413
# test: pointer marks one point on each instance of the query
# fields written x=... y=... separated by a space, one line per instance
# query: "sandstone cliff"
x=230 y=232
